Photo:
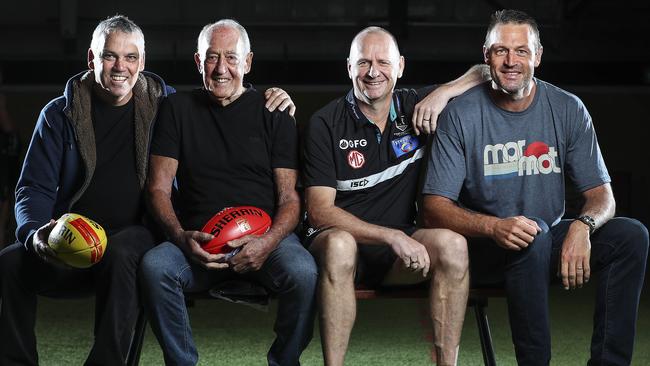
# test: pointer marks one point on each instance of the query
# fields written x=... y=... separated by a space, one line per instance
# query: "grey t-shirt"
x=514 y=163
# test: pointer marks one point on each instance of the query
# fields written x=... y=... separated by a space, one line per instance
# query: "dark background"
x=599 y=50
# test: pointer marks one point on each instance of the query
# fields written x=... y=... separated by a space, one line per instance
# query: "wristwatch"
x=589 y=221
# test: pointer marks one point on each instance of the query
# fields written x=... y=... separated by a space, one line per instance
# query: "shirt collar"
x=351 y=102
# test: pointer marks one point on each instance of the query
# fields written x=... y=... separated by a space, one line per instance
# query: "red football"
x=233 y=223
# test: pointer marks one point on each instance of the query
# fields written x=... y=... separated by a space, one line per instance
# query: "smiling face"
x=223 y=64
x=374 y=66
x=116 y=67
x=512 y=55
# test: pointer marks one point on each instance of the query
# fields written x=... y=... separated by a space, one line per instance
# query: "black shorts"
x=374 y=261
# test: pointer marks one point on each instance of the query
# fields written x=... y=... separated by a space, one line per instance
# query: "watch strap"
x=589 y=221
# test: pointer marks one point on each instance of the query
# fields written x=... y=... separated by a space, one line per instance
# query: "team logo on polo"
x=356 y=159
x=516 y=159
x=404 y=145
x=401 y=124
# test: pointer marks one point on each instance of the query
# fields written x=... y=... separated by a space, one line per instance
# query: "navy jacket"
x=61 y=158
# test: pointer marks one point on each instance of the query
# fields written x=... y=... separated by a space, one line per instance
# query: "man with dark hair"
x=362 y=159
x=496 y=174
x=225 y=149
x=90 y=146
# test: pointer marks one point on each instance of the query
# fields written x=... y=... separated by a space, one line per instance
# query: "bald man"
x=362 y=160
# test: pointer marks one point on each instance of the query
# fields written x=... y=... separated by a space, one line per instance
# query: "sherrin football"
x=232 y=223
x=77 y=240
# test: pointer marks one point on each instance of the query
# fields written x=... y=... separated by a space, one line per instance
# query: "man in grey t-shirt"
x=496 y=172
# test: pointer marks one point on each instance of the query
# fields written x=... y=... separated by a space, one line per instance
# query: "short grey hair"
x=509 y=16
x=206 y=33
x=112 y=24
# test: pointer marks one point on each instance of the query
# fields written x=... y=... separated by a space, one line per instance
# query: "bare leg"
x=336 y=254
x=448 y=291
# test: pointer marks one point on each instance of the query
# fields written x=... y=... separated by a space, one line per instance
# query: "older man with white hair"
x=224 y=148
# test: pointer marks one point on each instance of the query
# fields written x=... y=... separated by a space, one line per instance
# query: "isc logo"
x=359 y=183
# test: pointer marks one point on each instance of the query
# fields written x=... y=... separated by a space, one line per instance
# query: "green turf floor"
x=387 y=332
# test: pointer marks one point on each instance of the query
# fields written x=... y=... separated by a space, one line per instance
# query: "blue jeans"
x=619 y=251
x=289 y=272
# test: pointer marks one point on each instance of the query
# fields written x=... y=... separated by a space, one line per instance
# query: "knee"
x=155 y=268
x=303 y=273
x=128 y=245
x=634 y=231
x=545 y=229
x=633 y=235
x=451 y=254
x=542 y=242
x=338 y=255
x=119 y=254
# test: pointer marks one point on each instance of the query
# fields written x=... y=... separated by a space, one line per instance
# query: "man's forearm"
x=599 y=204
x=362 y=231
x=474 y=76
x=285 y=220
x=161 y=209
x=287 y=212
x=440 y=212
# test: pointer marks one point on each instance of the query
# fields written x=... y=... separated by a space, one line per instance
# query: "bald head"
x=358 y=39
x=374 y=65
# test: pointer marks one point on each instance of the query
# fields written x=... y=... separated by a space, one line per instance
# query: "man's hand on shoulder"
x=190 y=243
x=515 y=233
x=425 y=116
x=412 y=253
x=280 y=99
x=255 y=251
x=426 y=112
x=43 y=249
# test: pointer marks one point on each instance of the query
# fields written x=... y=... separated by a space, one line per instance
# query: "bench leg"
x=484 y=331
x=138 y=338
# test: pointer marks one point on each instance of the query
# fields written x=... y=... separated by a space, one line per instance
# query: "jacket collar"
x=148 y=90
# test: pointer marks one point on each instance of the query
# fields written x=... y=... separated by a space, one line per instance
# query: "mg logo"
x=356 y=159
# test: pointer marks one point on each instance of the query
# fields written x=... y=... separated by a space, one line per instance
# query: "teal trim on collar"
x=393 y=113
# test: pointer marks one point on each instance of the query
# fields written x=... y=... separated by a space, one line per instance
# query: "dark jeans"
x=23 y=276
x=619 y=250
x=289 y=271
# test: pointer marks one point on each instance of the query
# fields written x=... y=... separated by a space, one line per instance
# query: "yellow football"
x=77 y=240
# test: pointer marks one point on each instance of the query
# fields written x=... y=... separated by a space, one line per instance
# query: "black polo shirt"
x=375 y=174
